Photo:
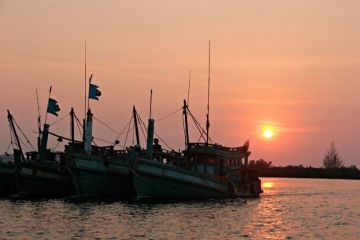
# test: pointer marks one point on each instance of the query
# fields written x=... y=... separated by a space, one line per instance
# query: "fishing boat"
x=99 y=172
x=201 y=171
x=41 y=173
x=7 y=175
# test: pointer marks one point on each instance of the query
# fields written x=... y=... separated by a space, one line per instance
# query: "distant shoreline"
x=309 y=172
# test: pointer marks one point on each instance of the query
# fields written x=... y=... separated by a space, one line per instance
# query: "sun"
x=268 y=133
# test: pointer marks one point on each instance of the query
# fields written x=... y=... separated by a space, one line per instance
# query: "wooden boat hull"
x=158 y=180
x=35 y=180
x=154 y=179
x=94 y=178
x=7 y=178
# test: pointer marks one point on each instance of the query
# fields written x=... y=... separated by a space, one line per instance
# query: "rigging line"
x=133 y=132
x=79 y=126
x=106 y=125
x=168 y=115
x=199 y=126
x=201 y=131
x=7 y=149
x=103 y=140
x=127 y=133
x=78 y=120
x=28 y=141
x=157 y=135
x=55 y=146
x=142 y=124
x=122 y=117
x=124 y=129
x=143 y=131
x=59 y=120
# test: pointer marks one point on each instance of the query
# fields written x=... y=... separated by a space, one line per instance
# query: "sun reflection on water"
x=268 y=185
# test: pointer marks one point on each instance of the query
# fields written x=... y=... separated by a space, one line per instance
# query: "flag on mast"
x=94 y=92
x=53 y=107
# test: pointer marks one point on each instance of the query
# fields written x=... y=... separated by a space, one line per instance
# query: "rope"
x=79 y=125
x=200 y=129
x=168 y=115
x=167 y=145
x=163 y=141
x=31 y=147
x=56 y=146
x=142 y=129
x=103 y=140
x=122 y=117
x=123 y=130
x=127 y=133
x=59 y=120
x=106 y=125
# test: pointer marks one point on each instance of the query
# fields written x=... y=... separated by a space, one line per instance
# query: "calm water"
x=288 y=209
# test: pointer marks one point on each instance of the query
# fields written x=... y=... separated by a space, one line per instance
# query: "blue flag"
x=53 y=107
x=94 y=92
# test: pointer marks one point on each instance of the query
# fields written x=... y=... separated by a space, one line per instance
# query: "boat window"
x=200 y=168
x=210 y=170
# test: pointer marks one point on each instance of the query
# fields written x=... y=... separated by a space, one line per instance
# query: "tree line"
x=333 y=167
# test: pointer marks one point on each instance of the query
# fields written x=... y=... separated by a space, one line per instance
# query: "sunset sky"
x=291 y=66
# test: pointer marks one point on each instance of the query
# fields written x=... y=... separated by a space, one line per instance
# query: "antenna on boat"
x=88 y=99
x=136 y=126
x=151 y=93
x=85 y=109
x=188 y=95
x=47 y=105
x=38 y=108
x=208 y=104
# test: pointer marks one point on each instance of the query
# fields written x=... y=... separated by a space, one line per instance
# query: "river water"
x=288 y=209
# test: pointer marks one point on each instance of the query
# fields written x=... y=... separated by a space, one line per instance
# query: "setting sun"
x=268 y=133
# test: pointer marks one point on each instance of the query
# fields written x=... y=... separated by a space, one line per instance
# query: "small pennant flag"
x=53 y=107
x=94 y=92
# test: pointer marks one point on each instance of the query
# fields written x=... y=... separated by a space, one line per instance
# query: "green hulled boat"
x=7 y=177
x=99 y=172
x=205 y=171
x=44 y=178
x=41 y=173
x=201 y=171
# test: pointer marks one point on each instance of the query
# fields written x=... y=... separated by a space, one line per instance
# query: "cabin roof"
x=217 y=149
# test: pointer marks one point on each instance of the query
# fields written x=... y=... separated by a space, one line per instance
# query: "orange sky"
x=293 y=65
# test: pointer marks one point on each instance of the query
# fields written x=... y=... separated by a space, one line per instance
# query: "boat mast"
x=186 y=124
x=39 y=119
x=136 y=126
x=150 y=133
x=188 y=95
x=10 y=119
x=85 y=108
x=208 y=104
x=72 y=130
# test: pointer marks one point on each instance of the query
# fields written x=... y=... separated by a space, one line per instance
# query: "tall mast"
x=47 y=105
x=186 y=124
x=208 y=104
x=11 y=121
x=188 y=94
x=38 y=108
x=136 y=126
x=72 y=127
x=151 y=92
x=85 y=108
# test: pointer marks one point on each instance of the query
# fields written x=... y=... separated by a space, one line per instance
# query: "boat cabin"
x=216 y=160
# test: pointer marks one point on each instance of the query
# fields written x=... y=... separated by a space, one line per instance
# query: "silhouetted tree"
x=332 y=158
